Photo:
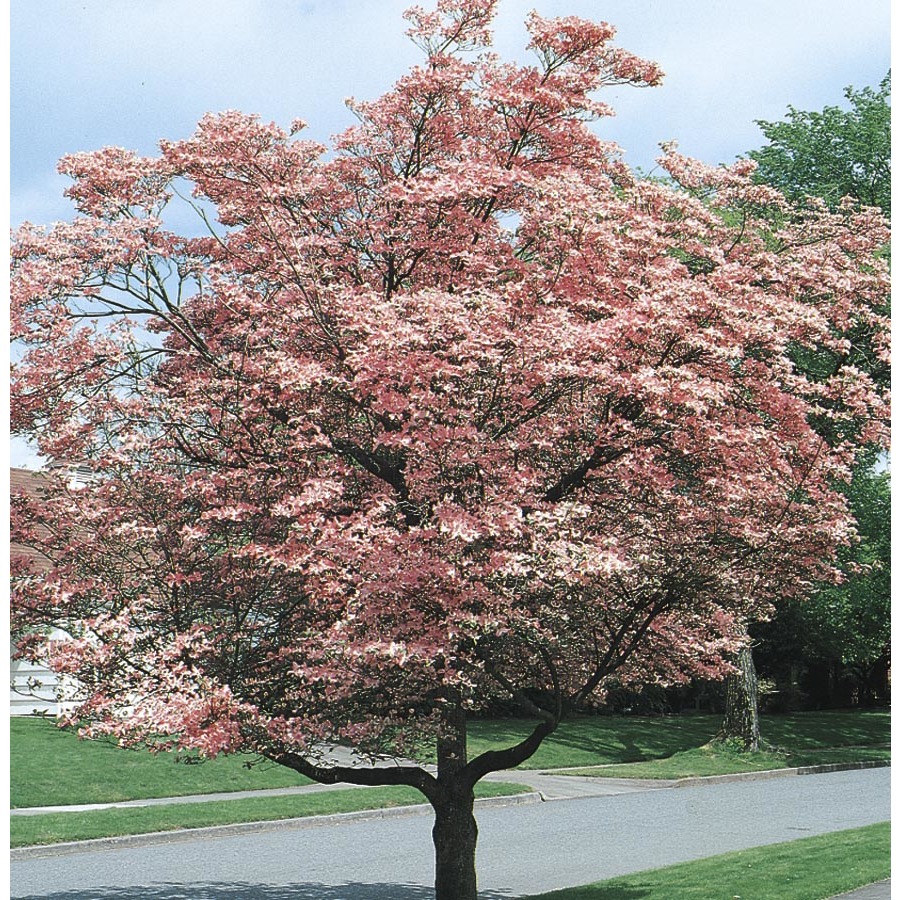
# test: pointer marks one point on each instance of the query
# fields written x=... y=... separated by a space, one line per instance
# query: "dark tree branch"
x=381 y=468
x=372 y=776
x=575 y=478
x=499 y=760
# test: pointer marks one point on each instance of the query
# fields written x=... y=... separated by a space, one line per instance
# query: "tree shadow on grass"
x=835 y=728
x=603 y=892
x=614 y=739
x=248 y=891
x=635 y=738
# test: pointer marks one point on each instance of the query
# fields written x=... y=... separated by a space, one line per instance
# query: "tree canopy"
x=456 y=410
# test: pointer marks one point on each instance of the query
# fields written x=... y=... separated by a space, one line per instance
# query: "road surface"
x=522 y=849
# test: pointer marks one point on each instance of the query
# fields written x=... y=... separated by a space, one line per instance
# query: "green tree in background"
x=840 y=636
x=833 y=153
x=841 y=629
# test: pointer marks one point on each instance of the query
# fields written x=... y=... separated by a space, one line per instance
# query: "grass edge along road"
x=805 y=869
x=52 y=828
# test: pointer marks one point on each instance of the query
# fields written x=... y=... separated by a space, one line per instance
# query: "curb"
x=694 y=780
x=870 y=891
x=67 y=848
x=779 y=773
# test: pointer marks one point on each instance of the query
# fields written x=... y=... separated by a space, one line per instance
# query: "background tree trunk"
x=741 y=719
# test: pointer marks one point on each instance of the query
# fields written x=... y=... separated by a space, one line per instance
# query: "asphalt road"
x=522 y=849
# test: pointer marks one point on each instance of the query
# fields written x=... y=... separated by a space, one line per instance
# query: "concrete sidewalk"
x=187 y=798
x=549 y=786
x=548 y=783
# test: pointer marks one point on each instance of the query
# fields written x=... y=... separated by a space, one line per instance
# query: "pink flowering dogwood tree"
x=457 y=411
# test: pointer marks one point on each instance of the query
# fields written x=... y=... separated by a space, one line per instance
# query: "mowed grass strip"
x=805 y=869
x=51 y=828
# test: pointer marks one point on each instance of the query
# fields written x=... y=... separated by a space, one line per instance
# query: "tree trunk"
x=741 y=720
x=455 y=831
x=455 y=835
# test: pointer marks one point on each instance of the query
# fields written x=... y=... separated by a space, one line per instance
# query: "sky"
x=91 y=73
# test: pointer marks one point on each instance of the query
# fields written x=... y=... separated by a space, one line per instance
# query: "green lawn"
x=595 y=740
x=805 y=869
x=43 y=758
x=810 y=738
x=52 y=828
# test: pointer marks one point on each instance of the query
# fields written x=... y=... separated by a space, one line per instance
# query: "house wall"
x=32 y=687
